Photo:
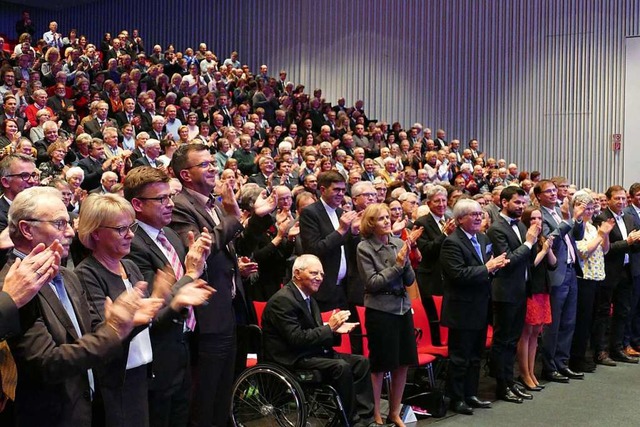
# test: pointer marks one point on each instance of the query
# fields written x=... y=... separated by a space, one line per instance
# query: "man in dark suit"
x=557 y=337
x=509 y=291
x=618 y=283
x=324 y=230
x=58 y=351
x=194 y=210
x=95 y=165
x=266 y=166
x=467 y=267
x=94 y=126
x=12 y=169
x=295 y=337
x=157 y=247
x=10 y=105
x=128 y=115
x=632 y=331
x=429 y=273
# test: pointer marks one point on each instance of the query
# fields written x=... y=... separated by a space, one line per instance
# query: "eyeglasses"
x=204 y=165
x=162 y=199
x=25 y=175
x=123 y=230
x=59 y=224
x=368 y=195
x=476 y=214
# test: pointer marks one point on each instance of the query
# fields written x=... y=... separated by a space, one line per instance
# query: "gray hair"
x=5 y=164
x=582 y=197
x=360 y=187
x=74 y=170
x=434 y=191
x=464 y=207
x=25 y=206
x=249 y=193
x=303 y=261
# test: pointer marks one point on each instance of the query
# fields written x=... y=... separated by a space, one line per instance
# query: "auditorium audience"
x=188 y=135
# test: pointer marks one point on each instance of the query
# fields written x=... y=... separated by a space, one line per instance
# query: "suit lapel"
x=465 y=241
x=53 y=301
x=431 y=223
x=152 y=245
x=303 y=305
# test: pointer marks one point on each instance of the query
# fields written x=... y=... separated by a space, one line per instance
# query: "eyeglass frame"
x=56 y=223
x=123 y=230
x=164 y=200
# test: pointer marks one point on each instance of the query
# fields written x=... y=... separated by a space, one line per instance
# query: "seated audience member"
x=295 y=337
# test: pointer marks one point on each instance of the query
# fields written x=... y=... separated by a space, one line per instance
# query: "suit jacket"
x=220 y=315
x=92 y=173
x=258 y=178
x=290 y=332
x=92 y=127
x=141 y=161
x=467 y=283
x=574 y=230
x=322 y=240
x=509 y=284
x=170 y=348
x=635 y=256
x=429 y=244
x=4 y=213
x=52 y=362
x=614 y=259
x=9 y=319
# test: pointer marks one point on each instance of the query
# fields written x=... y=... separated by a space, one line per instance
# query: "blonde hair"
x=370 y=217
x=95 y=211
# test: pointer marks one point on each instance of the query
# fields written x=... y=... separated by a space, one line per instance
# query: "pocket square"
x=488 y=249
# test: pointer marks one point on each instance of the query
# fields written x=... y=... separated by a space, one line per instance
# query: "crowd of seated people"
x=123 y=163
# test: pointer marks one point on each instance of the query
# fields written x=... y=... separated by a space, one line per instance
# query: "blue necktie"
x=61 y=292
x=308 y=301
x=476 y=246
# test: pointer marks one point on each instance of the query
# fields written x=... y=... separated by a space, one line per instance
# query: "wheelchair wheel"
x=267 y=395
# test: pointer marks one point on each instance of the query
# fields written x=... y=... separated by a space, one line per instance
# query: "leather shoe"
x=518 y=391
x=631 y=352
x=474 y=402
x=603 y=358
x=619 y=356
x=527 y=387
x=571 y=374
x=582 y=366
x=508 y=396
x=461 y=407
x=555 y=377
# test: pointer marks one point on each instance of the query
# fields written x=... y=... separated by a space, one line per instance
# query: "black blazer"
x=52 y=362
x=219 y=316
x=509 y=284
x=429 y=244
x=170 y=348
x=258 y=178
x=635 y=256
x=4 y=213
x=614 y=259
x=322 y=240
x=467 y=283
x=290 y=332
x=92 y=173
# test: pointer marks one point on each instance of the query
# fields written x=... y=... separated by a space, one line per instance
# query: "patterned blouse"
x=592 y=265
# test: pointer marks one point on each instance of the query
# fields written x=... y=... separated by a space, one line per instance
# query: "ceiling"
x=52 y=5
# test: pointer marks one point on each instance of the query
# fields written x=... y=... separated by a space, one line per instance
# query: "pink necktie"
x=178 y=270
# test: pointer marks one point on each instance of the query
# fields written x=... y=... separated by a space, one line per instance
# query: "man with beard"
x=509 y=292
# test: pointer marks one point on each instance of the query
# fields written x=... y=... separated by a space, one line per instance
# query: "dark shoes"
x=528 y=387
x=461 y=407
x=520 y=392
x=620 y=356
x=474 y=402
x=555 y=377
x=602 y=358
x=571 y=374
x=582 y=365
x=507 y=395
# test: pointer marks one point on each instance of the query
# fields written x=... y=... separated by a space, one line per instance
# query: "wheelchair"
x=271 y=395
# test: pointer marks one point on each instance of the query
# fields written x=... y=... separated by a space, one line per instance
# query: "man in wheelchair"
x=295 y=337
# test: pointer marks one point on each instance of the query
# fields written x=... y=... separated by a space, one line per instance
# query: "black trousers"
x=170 y=407
x=632 y=329
x=350 y=376
x=213 y=380
x=508 y=321
x=619 y=293
x=584 y=317
x=465 y=353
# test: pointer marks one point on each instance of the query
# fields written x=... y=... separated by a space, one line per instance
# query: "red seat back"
x=444 y=331
x=365 y=340
x=259 y=307
x=345 y=343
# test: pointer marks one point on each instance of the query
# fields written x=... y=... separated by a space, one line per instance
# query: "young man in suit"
x=157 y=247
x=557 y=337
x=467 y=267
x=324 y=230
x=509 y=291
x=632 y=332
x=618 y=283
x=295 y=337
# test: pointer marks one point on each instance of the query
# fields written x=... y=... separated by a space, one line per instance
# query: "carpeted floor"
x=608 y=397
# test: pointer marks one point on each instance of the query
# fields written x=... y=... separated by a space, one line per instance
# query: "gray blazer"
x=380 y=275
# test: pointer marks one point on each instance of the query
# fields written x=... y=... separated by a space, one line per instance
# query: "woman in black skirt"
x=385 y=270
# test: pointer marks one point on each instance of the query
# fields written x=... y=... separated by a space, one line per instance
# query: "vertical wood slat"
x=539 y=82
